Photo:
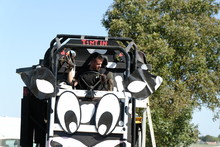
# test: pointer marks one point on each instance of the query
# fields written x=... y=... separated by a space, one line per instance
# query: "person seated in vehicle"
x=94 y=76
x=66 y=65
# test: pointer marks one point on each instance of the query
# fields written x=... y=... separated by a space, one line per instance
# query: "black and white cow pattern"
x=71 y=114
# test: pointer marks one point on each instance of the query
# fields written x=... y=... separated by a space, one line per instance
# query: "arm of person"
x=70 y=77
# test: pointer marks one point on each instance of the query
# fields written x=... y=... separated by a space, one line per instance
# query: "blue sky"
x=26 y=30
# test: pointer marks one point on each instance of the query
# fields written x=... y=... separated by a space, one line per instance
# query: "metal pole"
x=133 y=130
x=143 y=144
x=150 y=125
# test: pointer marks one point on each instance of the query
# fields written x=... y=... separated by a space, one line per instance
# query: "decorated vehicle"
x=56 y=112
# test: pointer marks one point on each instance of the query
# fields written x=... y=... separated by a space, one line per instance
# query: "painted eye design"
x=40 y=81
x=44 y=86
x=136 y=86
x=111 y=142
x=107 y=114
x=65 y=142
x=69 y=112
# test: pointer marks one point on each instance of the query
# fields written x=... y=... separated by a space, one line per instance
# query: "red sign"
x=94 y=42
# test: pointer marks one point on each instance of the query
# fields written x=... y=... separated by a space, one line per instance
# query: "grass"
x=204 y=145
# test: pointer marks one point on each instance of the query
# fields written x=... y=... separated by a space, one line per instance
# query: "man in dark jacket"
x=94 y=76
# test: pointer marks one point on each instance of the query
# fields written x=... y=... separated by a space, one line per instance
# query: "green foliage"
x=209 y=138
x=181 y=41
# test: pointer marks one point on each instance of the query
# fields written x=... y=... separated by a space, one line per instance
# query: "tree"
x=209 y=138
x=181 y=41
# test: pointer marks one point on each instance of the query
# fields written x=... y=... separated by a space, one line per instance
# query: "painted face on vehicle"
x=102 y=121
x=96 y=64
